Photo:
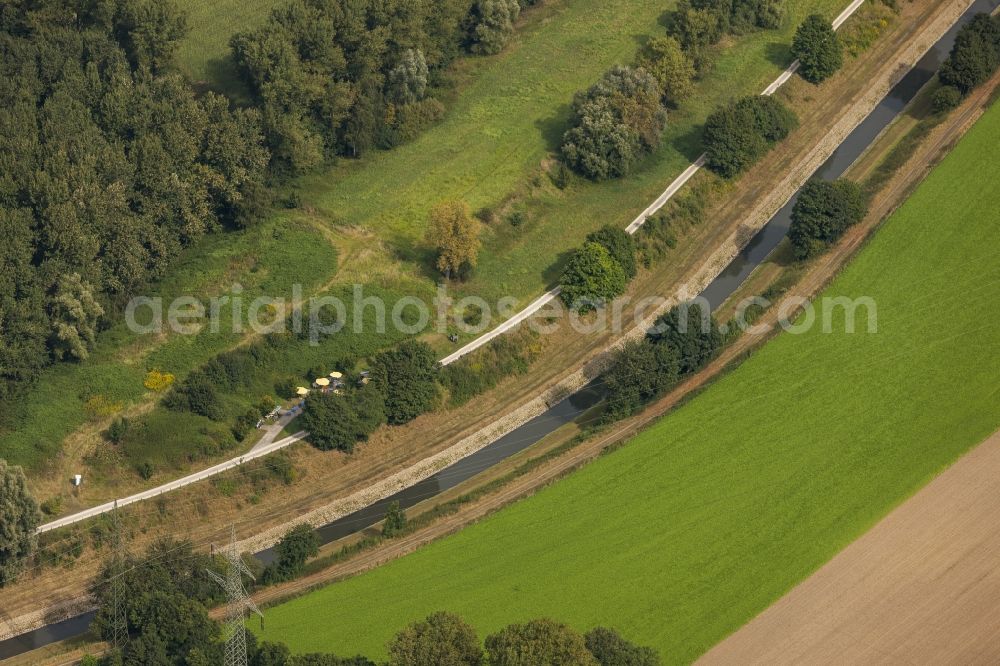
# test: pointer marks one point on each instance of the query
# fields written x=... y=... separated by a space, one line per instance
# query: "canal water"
x=570 y=409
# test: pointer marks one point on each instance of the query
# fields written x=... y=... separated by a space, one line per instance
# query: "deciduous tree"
x=538 y=642
x=664 y=58
x=19 y=518
x=818 y=49
x=442 y=639
x=454 y=234
x=591 y=278
x=406 y=377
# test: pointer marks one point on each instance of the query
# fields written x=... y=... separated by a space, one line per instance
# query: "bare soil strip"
x=923 y=586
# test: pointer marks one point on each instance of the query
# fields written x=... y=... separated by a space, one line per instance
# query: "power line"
x=239 y=604
x=119 y=621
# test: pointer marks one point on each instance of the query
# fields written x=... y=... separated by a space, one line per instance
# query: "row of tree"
x=333 y=78
x=974 y=57
x=621 y=118
x=166 y=593
x=110 y=166
x=679 y=344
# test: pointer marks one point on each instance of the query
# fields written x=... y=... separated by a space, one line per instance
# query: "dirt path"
x=922 y=586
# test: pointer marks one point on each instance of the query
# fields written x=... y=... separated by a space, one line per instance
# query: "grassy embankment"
x=702 y=521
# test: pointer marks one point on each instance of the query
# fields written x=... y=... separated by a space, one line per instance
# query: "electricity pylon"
x=239 y=604
x=119 y=621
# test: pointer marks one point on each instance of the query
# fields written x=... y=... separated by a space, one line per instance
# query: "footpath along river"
x=570 y=409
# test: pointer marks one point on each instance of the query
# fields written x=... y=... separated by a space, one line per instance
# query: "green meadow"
x=700 y=522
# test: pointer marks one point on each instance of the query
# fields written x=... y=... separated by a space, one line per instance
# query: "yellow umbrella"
x=322 y=381
x=336 y=375
x=302 y=390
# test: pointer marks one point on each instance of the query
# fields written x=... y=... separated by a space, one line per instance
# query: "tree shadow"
x=554 y=126
x=689 y=143
x=779 y=54
x=224 y=77
x=666 y=19
x=555 y=269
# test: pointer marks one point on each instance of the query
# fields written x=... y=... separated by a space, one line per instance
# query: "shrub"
x=145 y=470
x=823 y=211
x=673 y=70
x=395 y=521
x=405 y=376
x=616 y=122
x=739 y=134
x=117 y=430
x=620 y=244
x=611 y=649
x=507 y=355
x=639 y=372
x=591 y=278
x=158 y=381
x=974 y=56
x=280 y=466
x=689 y=330
x=946 y=98
x=442 y=639
x=817 y=48
x=197 y=394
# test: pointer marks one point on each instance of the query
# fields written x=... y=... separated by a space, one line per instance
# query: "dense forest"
x=112 y=163
x=339 y=78
x=109 y=166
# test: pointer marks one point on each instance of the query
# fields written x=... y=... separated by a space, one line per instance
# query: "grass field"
x=705 y=519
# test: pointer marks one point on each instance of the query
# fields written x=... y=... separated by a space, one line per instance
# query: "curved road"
x=268 y=445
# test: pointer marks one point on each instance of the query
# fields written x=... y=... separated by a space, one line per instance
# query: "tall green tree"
x=616 y=122
x=637 y=373
x=664 y=58
x=295 y=547
x=738 y=134
x=591 y=278
x=818 y=49
x=19 y=519
x=822 y=213
x=406 y=377
x=975 y=54
x=74 y=312
x=441 y=639
x=538 y=642
x=691 y=331
x=620 y=244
